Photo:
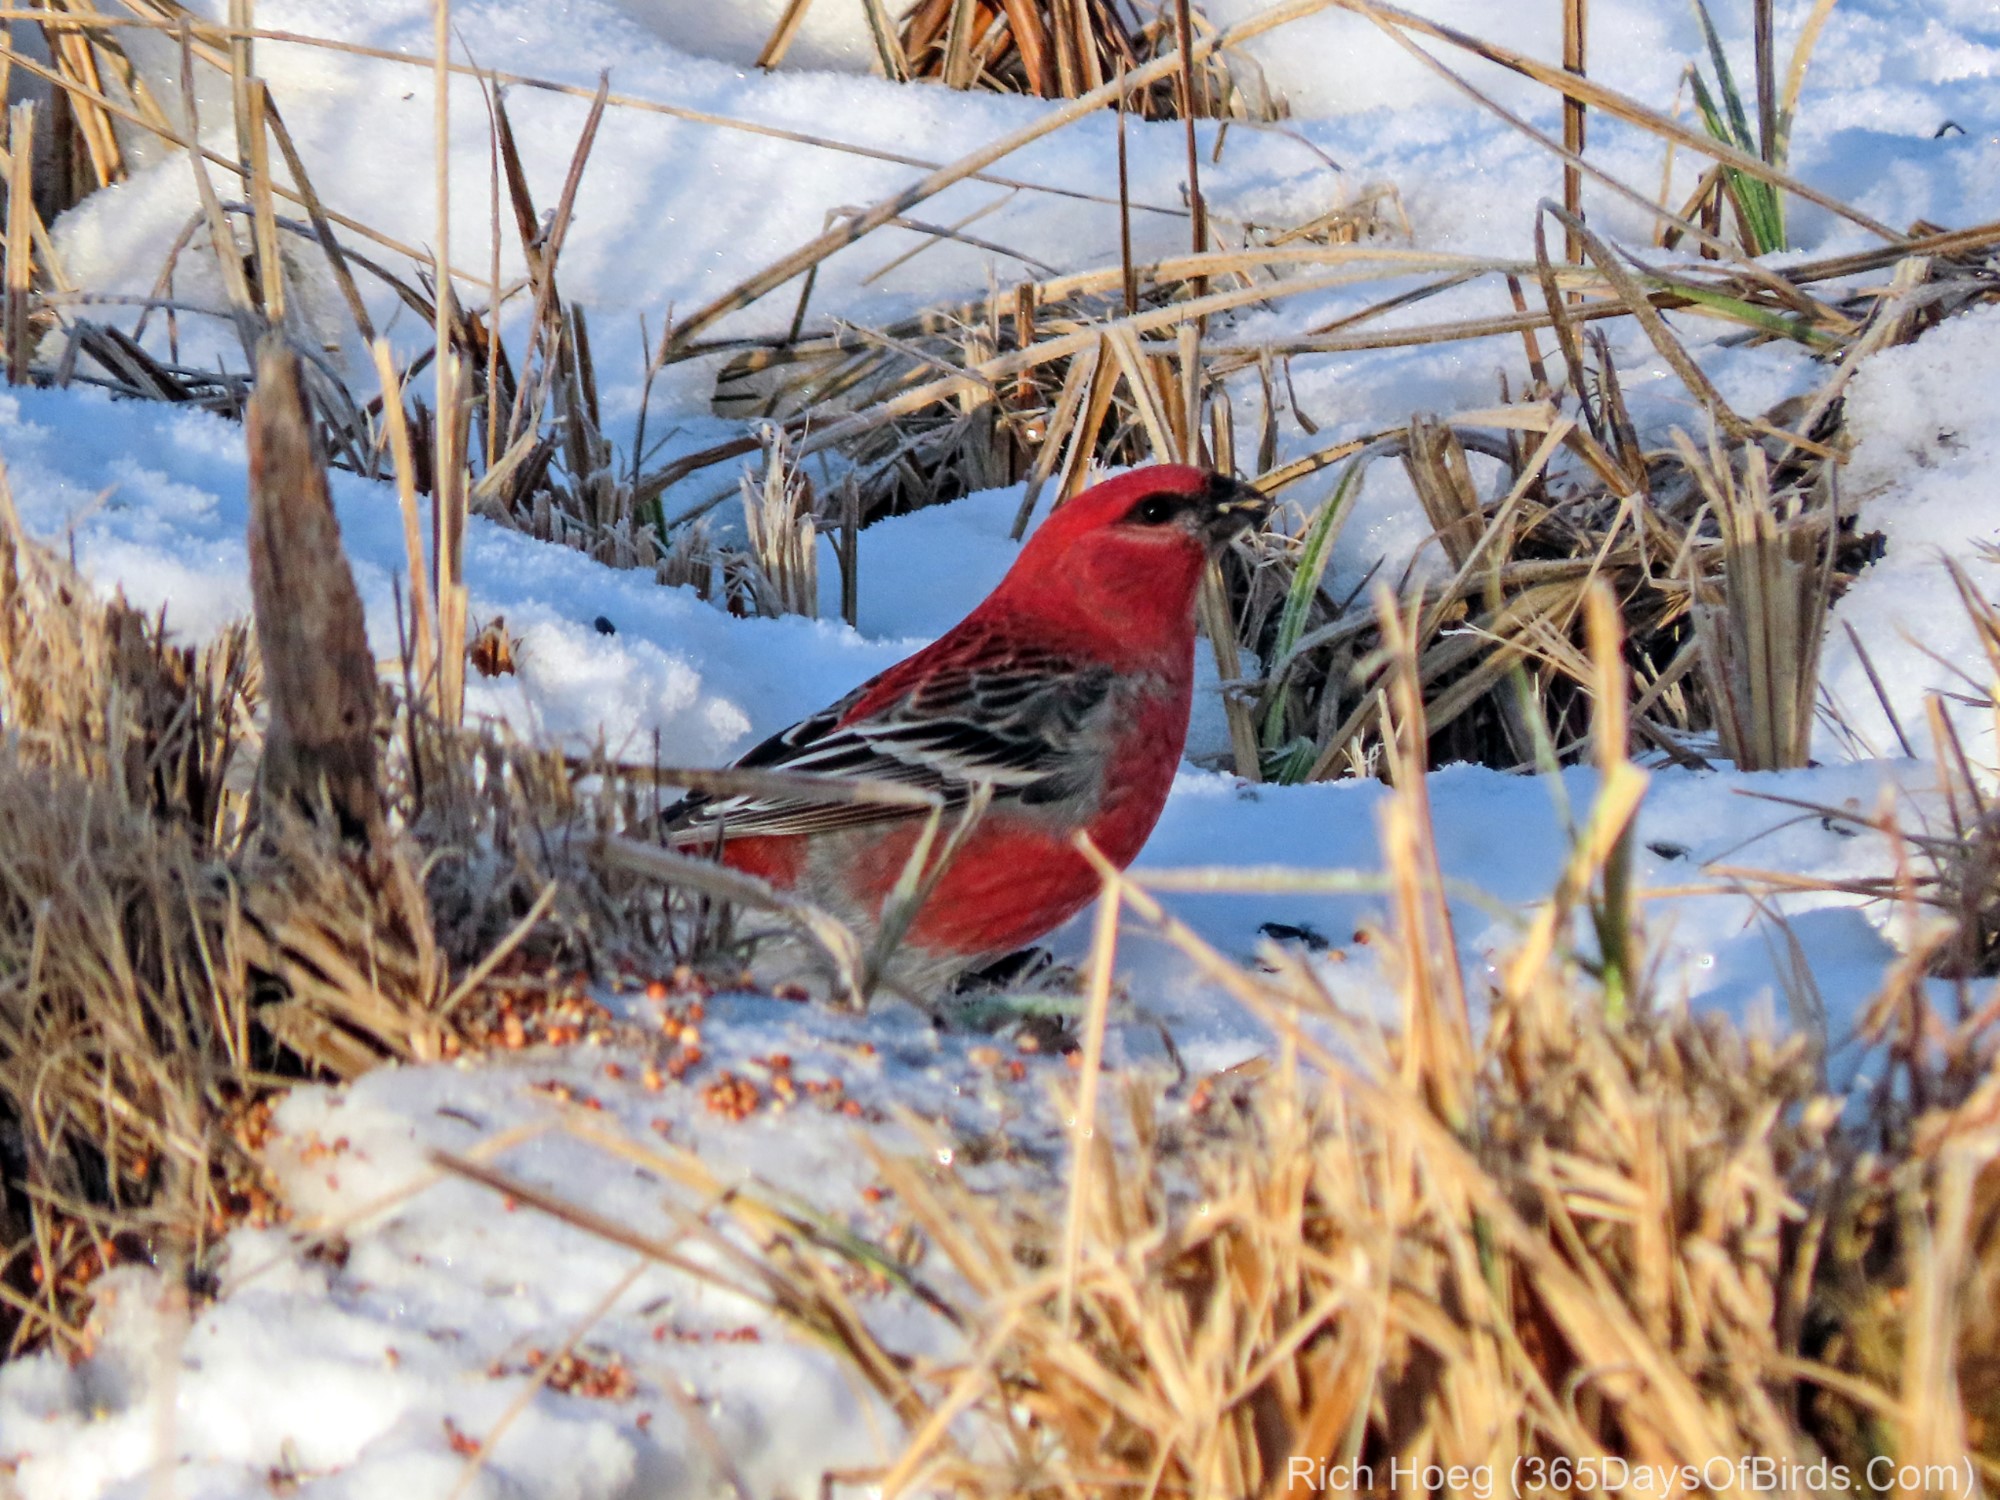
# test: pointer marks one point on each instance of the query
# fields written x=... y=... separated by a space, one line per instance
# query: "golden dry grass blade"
x=1103 y=959
x=779 y=42
x=1217 y=620
x=423 y=621
x=263 y=210
x=20 y=253
x=450 y=504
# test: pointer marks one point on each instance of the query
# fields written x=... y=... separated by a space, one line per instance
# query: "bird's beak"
x=1233 y=508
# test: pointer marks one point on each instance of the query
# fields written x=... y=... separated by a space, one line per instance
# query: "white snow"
x=348 y=1371
x=1926 y=423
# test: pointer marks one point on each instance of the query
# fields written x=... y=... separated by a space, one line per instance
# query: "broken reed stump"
x=319 y=675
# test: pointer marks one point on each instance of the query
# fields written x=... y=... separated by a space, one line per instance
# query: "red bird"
x=1066 y=692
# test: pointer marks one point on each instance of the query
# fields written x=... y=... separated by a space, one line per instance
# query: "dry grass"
x=179 y=936
x=1050 y=48
x=1648 y=1242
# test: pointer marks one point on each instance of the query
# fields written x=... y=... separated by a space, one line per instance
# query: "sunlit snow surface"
x=350 y=1376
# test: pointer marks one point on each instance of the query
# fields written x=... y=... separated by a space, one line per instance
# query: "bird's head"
x=1127 y=556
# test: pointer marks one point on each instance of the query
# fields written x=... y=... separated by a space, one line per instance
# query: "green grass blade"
x=1762 y=204
x=1739 y=123
x=1750 y=314
x=1290 y=763
x=1763 y=220
x=1313 y=558
x=1704 y=103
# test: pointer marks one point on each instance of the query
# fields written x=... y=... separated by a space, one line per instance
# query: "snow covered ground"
x=375 y=1367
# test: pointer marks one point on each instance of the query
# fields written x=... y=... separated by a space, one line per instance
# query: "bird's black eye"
x=1154 y=510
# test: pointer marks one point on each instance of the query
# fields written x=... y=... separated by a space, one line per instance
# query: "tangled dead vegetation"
x=229 y=867
x=1724 y=543
x=188 y=918
x=1648 y=1242
x=1049 y=48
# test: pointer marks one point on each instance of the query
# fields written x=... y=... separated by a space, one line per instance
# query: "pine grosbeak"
x=1066 y=691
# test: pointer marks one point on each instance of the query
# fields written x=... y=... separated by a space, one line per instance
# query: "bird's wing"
x=1024 y=728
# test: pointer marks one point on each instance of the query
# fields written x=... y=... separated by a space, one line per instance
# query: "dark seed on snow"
x=1302 y=933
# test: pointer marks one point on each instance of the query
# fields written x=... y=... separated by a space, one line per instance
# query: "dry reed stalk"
x=263 y=209
x=1761 y=638
x=319 y=752
x=778 y=515
x=1765 y=46
x=423 y=622
x=45 y=250
x=82 y=51
x=20 y=212
x=221 y=238
x=783 y=34
x=1576 y=20
x=1219 y=624
x=1197 y=210
x=1083 y=1134
x=449 y=510
x=1437 y=1026
x=449 y=454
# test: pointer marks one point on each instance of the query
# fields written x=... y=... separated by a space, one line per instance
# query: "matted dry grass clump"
x=183 y=929
x=1645 y=1246
x=1050 y=48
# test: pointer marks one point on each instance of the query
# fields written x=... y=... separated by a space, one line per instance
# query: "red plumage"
x=1066 y=691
